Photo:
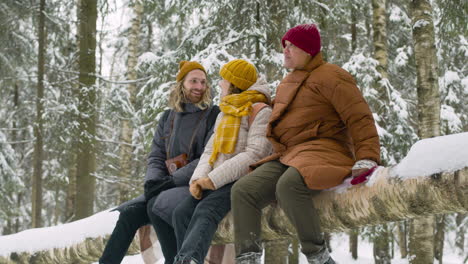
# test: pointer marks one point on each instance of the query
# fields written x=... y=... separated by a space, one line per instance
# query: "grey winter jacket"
x=175 y=132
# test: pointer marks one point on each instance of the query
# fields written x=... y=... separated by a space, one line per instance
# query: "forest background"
x=82 y=84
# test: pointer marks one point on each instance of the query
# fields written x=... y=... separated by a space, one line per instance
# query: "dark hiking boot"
x=321 y=257
x=249 y=258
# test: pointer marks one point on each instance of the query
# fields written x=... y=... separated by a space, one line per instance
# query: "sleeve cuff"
x=364 y=164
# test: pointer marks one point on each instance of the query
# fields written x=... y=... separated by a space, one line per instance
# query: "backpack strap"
x=255 y=109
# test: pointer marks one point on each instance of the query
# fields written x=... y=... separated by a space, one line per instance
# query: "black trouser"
x=131 y=218
x=196 y=221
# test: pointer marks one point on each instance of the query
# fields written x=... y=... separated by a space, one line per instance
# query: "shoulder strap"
x=255 y=109
x=212 y=116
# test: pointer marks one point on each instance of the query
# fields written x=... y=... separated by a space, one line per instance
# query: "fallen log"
x=392 y=194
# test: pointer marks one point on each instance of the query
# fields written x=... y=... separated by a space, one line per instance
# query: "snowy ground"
x=340 y=246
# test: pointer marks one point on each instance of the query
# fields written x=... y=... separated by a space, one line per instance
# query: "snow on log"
x=432 y=179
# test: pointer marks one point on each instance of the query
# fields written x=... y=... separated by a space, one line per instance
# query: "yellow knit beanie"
x=186 y=67
x=240 y=73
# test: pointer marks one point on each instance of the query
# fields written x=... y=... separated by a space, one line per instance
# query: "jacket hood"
x=261 y=86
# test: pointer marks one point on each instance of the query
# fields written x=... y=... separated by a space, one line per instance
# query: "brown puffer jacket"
x=321 y=124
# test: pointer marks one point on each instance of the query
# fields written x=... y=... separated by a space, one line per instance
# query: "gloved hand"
x=361 y=175
x=196 y=190
x=155 y=187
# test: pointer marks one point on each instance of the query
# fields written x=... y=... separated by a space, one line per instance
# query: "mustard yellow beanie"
x=186 y=67
x=240 y=73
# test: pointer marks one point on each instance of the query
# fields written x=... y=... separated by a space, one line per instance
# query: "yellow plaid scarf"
x=234 y=107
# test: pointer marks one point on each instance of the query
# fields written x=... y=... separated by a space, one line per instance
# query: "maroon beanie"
x=305 y=36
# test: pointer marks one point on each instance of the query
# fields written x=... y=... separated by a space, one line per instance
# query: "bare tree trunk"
x=353 y=27
x=426 y=67
x=402 y=241
x=421 y=245
x=381 y=245
x=294 y=252
x=36 y=196
x=353 y=242
x=86 y=146
x=126 y=147
x=325 y=32
x=380 y=36
x=276 y=251
x=461 y=232
x=71 y=189
x=439 y=238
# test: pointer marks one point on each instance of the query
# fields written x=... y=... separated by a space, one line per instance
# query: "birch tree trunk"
x=86 y=146
x=421 y=244
x=38 y=126
x=379 y=25
x=126 y=147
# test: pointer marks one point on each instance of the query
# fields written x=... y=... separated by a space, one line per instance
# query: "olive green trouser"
x=256 y=190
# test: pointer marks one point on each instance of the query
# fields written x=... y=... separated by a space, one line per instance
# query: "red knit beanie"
x=305 y=36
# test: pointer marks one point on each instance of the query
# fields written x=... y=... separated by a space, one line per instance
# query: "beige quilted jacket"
x=252 y=145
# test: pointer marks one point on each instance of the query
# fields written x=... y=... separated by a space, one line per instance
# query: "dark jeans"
x=269 y=182
x=165 y=233
x=196 y=221
x=131 y=218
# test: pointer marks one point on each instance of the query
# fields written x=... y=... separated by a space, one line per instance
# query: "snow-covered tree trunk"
x=36 y=197
x=86 y=147
x=421 y=244
x=126 y=147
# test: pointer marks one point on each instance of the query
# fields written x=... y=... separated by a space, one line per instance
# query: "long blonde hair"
x=177 y=97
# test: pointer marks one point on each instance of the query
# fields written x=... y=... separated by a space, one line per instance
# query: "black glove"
x=155 y=187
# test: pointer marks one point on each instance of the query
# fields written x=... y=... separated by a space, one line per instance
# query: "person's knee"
x=240 y=191
x=286 y=189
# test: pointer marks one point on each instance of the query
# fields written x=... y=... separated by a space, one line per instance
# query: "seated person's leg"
x=203 y=224
x=160 y=212
x=295 y=198
x=250 y=194
x=131 y=218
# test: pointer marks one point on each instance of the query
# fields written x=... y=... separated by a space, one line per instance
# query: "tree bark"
x=381 y=245
x=421 y=245
x=294 y=252
x=426 y=67
x=461 y=232
x=402 y=241
x=380 y=37
x=439 y=238
x=276 y=251
x=86 y=146
x=126 y=147
x=36 y=195
x=354 y=242
x=353 y=27
x=389 y=199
